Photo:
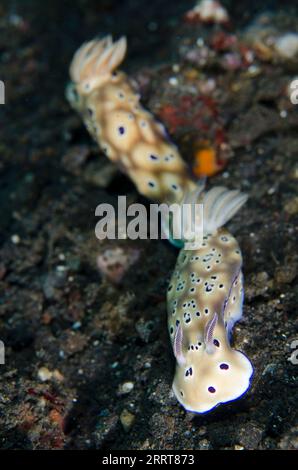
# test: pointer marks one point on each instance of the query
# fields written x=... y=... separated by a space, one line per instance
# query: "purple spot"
x=188 y=372
x=211 y=389
x=216 y=343
x=153 y=157
x=121 y=130
x=224 y=366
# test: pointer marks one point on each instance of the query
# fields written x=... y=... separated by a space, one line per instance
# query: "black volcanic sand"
x=60 y=319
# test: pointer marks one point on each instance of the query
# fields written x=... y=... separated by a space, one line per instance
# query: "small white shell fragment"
x=209 y=11
x=44 y=374
x=287 y=45
x=173 y=81
x=15 y=239
x=126 y=388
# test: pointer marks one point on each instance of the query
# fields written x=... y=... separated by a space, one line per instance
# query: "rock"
x=74 y=159
x=250 y=436
x=258 y=285
x=204 y=444
x=208 y=11
x=145 y=329
x=287 y=45
x=53 y=281
x=105 y=429
x=290 y=440
x=125 y=388
x=285 y=274
x=100 y=174
x=44 y=374
x=291 y=207
x=113 y=263
x=127 y=420
x=15 y=239
x=74 y=342
x=259 y=120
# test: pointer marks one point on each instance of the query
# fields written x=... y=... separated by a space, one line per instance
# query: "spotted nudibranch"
x=127 y=133
x=204 y=300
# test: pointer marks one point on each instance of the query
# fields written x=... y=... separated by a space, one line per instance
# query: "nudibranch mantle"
x=205 y=298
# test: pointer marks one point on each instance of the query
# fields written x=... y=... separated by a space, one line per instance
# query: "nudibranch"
x=127 y=133
x=204 y=300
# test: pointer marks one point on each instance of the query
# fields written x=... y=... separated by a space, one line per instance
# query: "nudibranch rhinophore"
x=128 y=134
x=205 y=299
